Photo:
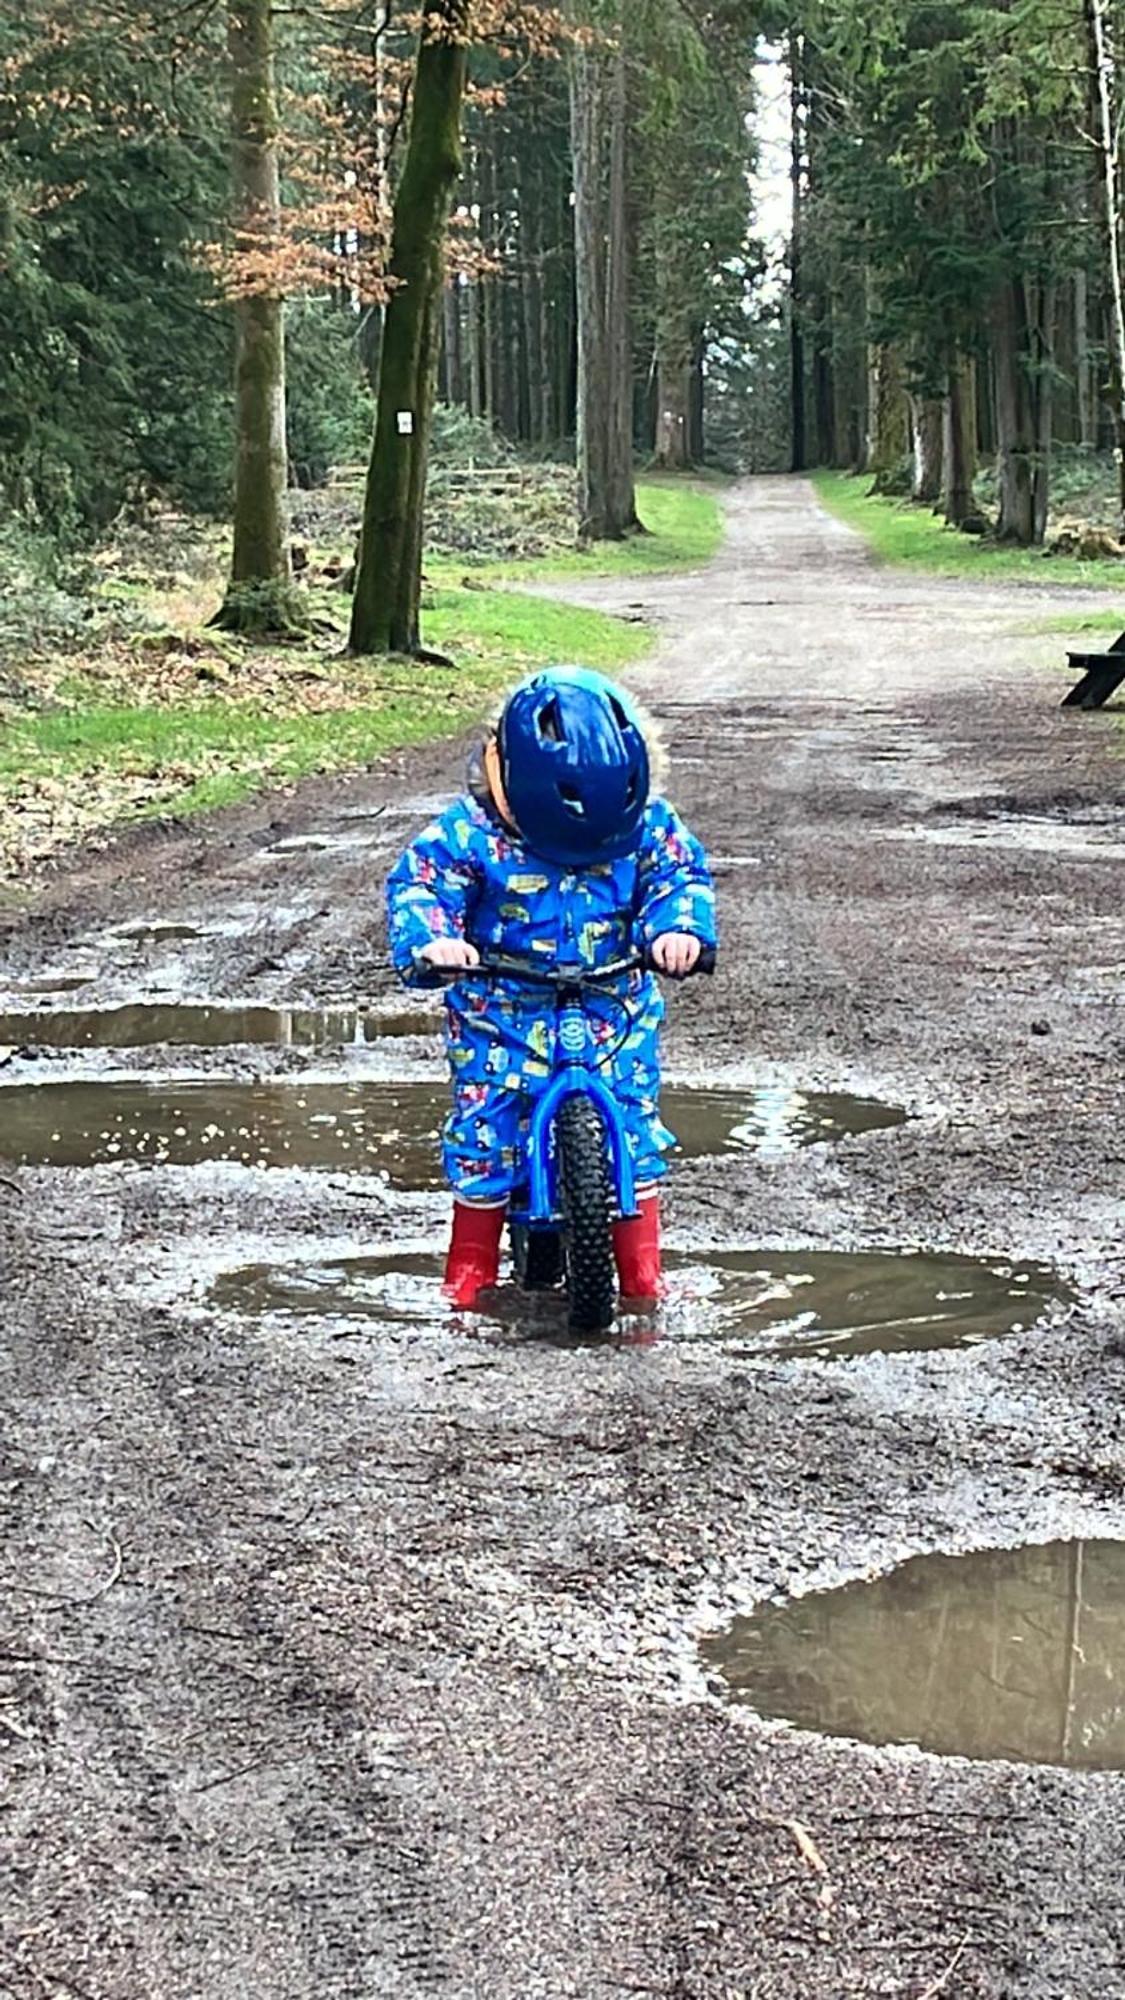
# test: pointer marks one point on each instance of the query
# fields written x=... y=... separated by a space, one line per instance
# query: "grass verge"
x=164 y=717
x=913 y=538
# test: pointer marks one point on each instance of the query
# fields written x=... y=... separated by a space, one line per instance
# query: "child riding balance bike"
x=545 y=897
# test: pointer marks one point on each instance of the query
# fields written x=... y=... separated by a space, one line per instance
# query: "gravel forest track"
x=341 y=1659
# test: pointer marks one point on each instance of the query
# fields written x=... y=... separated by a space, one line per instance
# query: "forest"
x=299 y=300
x=208 y=216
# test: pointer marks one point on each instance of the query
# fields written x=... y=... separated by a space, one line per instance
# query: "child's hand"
x=676 y=953
x=456 y=953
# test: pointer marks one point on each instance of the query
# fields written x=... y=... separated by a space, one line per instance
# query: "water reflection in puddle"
x=794 y=1304
x=315 y=843
x=194 y=1025
x=392 y=1126
x=1016 y=1653
x=772 y=1121
x=367 y=1127
x=819 y=1303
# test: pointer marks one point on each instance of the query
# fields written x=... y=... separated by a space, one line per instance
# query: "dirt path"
x=344 y=1659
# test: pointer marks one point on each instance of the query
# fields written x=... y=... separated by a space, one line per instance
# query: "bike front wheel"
x=587 y=1204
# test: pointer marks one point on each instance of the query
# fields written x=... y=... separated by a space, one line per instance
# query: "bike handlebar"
x=504 y=967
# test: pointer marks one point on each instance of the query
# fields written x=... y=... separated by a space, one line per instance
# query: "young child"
x=557 y=852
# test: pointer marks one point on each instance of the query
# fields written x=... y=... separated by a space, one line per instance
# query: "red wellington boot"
x=636 y=1247
x=473 y=1262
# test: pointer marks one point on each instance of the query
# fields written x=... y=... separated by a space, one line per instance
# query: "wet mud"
x=1015 y=1653
x=392 y=1128
x=768 y=1305
x=346 y=1654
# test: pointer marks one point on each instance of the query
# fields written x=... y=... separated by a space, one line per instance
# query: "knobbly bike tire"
x=588 y=1211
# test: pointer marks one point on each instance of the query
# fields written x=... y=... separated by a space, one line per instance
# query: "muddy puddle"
x=1067 y=840
x=365 y=1126
x=197 y=1025
x=160 y=933
x=797 y=1304
x=330 y=843
x=1016 y=1653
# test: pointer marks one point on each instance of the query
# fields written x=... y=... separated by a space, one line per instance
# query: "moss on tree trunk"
x=385 y=610
x=887 y=412
x=260 y=596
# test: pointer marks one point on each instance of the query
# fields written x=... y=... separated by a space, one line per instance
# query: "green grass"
x=913 y=538
x=1082 y=621
x=525 y=632
x=90 y=756
x=683 y=524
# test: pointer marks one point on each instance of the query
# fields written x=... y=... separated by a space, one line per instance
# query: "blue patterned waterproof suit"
x=467 y=875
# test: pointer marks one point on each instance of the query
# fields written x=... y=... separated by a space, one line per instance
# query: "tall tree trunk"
x=959 y=450
x=1016 y=433
x=672 y=448
x=697 y=409
x=474 y=336
x=385 y=611
x=926 y=428
x=454 y=387
x=887 y=443
x=1042 y=387
x=549 y=426
x=531 y=244
x=491 y=303
x=676 y=314
x=259 y=595
x=1106 y=123
x=1083 y=381
x=824 y=399
x=606 y=496
x=797 y=418
x=622 y=491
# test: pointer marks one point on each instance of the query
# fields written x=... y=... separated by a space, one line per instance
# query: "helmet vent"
x=549 y=720
x=572 y=800
x=619 y=715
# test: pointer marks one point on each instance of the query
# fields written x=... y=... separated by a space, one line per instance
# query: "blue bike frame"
x=575 y=1076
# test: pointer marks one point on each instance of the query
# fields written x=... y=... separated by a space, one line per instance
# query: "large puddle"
x=793 y=1304
x=193 y=1024
x=366 y=1126
x=1016 y=1653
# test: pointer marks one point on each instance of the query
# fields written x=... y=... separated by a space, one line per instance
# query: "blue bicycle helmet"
x=574 y=766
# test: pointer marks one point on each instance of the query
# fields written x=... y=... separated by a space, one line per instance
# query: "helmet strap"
x=494 y=774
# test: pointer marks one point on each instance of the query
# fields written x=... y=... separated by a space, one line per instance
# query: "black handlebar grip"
x=704 y=963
